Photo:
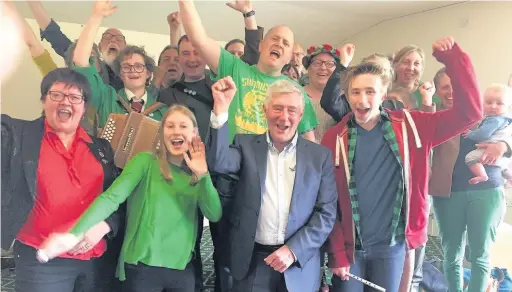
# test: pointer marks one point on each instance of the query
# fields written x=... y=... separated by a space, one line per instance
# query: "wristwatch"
x=249 y=14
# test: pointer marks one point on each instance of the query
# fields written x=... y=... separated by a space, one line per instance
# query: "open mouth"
x=275 y=53
x=64 y=114
x=172 y=70
x=134 y=77
x=362 y=111
x=282 y=127
x=177 y=143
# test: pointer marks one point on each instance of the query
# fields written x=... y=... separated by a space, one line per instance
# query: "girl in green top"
x=163 y=190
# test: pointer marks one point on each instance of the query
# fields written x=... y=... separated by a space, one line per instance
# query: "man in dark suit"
x=51 y=172
x=285 y=204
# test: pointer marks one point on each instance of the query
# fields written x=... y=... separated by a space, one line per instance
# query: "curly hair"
x=130 y=50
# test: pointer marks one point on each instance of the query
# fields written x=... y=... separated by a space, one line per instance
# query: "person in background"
x=375 y=147
x=463 y=209
x=235 y=47
x=252 y=81
x=168 y=70
x=291 y=71
x=278 y=228
x=409 y=64
x=134 y=67
x=164 y=190
x=110 y=45
x=51 y=172
x=495 y=127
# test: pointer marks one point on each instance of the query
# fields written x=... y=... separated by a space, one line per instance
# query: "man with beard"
x=112 y=42
x=194 y=91
x=252 y=81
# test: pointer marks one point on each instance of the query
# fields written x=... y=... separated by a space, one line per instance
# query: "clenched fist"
x=223 y=92
x=444 y=44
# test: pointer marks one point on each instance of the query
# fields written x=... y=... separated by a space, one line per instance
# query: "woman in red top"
x=52 y=170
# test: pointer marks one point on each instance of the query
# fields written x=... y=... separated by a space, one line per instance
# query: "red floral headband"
x=325 y=48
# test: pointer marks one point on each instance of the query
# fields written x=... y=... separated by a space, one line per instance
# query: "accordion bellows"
x=130 y=134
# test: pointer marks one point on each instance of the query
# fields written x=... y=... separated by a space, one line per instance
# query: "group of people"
x=291 y=155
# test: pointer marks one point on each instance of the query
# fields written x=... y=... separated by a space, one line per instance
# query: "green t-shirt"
x=246 y=114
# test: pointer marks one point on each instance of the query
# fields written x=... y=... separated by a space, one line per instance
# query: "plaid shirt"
x=398 y=222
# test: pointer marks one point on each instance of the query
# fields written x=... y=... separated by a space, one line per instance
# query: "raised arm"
x=207 y=47
x=467 y=101
x=49 y=29
x=84 y=45
x=253 y=33
x=175 y=33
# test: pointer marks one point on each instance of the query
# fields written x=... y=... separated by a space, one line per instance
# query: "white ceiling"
x=313 y=22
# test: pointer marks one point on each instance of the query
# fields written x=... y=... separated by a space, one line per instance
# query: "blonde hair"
x=504 y=89
x=160 y=151
x=283 y=86
x=404 y=52
x=365 y=68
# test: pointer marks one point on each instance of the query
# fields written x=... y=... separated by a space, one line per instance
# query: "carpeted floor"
x=433 y=252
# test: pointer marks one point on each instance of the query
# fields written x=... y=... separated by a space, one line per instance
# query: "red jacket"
x=416 y=133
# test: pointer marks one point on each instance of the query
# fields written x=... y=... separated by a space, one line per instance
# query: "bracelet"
x=249 y=14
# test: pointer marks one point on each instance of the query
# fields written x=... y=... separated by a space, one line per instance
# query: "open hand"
x=91 y=238
x=103 y=8
x=223 y=92
x=444 y=44
x=174 y=19
x=347 y=54
x=197 y=160
x=240 y=6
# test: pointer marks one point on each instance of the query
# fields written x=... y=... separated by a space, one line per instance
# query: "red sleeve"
x=437 y=128
x=337 y=252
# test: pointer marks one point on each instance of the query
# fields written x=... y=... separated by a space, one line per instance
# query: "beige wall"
x=483 y=29
x=20 y=93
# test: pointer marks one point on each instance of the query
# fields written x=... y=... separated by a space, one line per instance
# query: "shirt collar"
x=130 y=95
x=288 y=147
x=80 y=132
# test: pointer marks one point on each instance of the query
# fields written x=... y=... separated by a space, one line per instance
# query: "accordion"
x=130 y=134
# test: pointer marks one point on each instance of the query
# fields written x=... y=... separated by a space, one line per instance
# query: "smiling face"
x=112 y=42
x=321 y=68
x=444 y=91
x=365 y=95
x=409 y=68
x=170 y=61
x=61 y=114
x=191 y=62
x=276 y=48
x=284 y=112
x=178 y=131
x=134 y=72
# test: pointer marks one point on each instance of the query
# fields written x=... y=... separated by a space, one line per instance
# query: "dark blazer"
x=312 y=209
x=21 y=145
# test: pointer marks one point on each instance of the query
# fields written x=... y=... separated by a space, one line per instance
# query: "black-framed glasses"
x=138 y=68
x=319 y=63
x=59 y=96
x=118 y=37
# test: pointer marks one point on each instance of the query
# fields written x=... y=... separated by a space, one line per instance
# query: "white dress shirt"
x=130 y=95
x=277 y=191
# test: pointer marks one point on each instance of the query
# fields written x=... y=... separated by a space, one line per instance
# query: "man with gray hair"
x=285 y=204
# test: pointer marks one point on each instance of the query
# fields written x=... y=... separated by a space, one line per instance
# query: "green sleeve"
x=208 y=199
x=100 y=92
x=227 y=64
x=108 y=202
x=309 y=121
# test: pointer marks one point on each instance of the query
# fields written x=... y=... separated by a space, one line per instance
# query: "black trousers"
x=261 y=277
x=144 y=278
x=62 y=275
x=197 y=260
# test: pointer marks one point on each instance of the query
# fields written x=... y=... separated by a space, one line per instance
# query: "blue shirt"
x=377 y=173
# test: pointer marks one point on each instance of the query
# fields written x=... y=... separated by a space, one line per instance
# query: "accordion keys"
x=130 y=134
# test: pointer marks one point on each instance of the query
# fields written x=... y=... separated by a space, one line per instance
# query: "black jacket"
x=21 y=145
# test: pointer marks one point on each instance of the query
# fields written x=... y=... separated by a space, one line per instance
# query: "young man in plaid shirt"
x=381 y=160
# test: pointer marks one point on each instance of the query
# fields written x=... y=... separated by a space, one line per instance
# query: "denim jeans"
x=381 y=265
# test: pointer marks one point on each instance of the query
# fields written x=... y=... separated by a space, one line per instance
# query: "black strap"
x=183 y=88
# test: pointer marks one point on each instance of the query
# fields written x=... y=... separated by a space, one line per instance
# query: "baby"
x=494 y=127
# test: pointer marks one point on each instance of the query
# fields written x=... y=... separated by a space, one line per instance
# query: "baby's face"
x=495 y=102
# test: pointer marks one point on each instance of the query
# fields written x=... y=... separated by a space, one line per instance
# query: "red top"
x=67 y=183
x=433 y=129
